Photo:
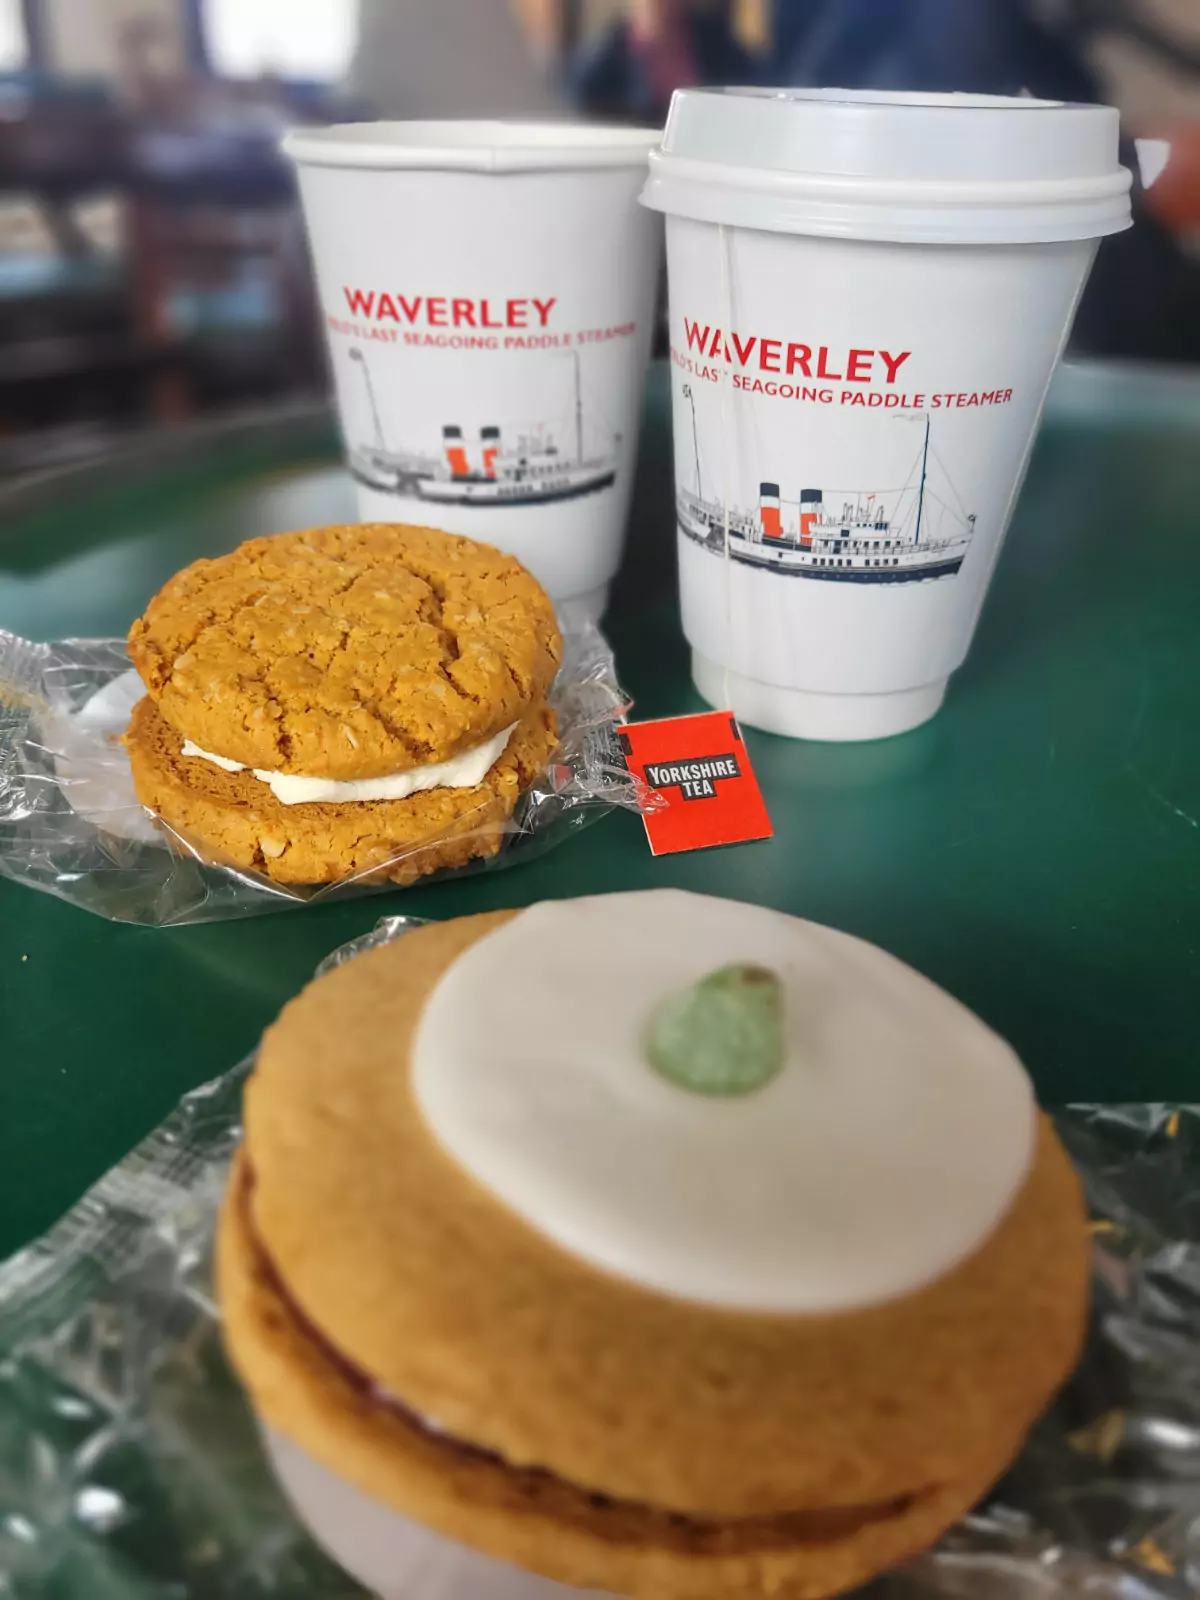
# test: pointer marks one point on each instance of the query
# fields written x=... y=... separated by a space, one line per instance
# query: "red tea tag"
x=699 y=766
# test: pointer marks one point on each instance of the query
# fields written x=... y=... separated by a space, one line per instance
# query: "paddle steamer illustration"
x=522 y=466
x=906 y=535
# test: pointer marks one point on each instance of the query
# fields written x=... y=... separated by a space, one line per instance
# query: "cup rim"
x=469 y=146
x=917 y=99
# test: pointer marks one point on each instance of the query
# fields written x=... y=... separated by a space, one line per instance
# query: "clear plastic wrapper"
x=71 y=825
x=130 y=1466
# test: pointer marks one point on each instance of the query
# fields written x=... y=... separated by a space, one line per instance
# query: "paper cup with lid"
x=487 y=291
x=869 y=294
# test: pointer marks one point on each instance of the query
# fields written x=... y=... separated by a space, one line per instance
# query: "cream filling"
x=462 y=771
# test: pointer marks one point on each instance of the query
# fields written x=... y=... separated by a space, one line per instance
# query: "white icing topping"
x=887 y=1149
x=462 y=771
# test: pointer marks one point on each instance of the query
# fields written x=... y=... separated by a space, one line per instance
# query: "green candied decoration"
x=723 y=1034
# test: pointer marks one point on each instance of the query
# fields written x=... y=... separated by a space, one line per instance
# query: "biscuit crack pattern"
x=347 y=652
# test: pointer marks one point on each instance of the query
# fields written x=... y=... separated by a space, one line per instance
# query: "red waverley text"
x=790 y=357
x=449 y=311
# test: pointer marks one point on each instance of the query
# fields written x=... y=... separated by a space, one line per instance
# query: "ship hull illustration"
x=514 y=495
x=836 y=536
x=495 y=470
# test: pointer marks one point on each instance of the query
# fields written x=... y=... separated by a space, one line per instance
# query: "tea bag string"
x=723 y=249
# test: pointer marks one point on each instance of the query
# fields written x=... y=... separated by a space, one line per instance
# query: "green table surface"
x=1035 y=849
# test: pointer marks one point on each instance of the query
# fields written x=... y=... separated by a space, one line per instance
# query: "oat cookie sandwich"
x=659 y=1244
x=321 y=702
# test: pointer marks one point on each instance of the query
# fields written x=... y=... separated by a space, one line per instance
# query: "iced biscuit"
x=431 y=1339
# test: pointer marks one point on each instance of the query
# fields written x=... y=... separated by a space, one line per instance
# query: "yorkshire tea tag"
x=699 y=768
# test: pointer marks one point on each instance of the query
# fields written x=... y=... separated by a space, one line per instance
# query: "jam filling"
x=629 y=1518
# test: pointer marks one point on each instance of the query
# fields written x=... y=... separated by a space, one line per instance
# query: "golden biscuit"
x=578 y=1423
x=531 y=1517
x=347 y=652
x=233 y=817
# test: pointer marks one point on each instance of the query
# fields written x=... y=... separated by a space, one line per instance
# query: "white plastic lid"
x=865 y=164
x=469 y=146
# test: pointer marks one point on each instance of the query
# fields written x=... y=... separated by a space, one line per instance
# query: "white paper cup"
x=487 y=291
x=869 y=294
x=388 y=1554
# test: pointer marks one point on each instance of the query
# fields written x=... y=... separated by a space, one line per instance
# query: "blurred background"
x=152 y=263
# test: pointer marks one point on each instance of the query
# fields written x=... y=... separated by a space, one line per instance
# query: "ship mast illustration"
x=691 y=400
x=924 y=477
x=513 y=465
x=356 y=355
x=839 y=535
x=578 y=408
